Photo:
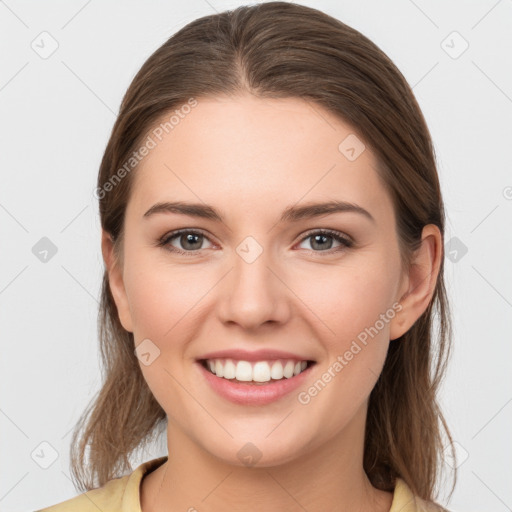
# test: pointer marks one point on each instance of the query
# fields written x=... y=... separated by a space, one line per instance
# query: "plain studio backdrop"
x=64 y=69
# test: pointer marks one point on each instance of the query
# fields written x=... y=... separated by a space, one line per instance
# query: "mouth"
x=258 y=373
x=255 y=382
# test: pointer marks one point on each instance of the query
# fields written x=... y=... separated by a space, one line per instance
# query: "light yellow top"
x=122 y=495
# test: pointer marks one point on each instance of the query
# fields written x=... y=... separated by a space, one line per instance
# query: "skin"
x=250 y=159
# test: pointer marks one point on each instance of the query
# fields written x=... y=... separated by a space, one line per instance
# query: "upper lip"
x=256 y=355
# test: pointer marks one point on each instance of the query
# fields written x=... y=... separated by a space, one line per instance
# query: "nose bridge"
x=252 y=277
x=254 y=295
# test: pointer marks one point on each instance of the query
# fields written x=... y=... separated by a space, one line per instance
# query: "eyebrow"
x=290 y=214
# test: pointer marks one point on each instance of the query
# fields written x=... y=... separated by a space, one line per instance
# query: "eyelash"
x=167 y=238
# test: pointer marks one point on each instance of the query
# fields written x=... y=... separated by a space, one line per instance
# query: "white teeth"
x=243 y=371
x=288 y=369
x=219 y=368
x=229 y=369
x=277 y=370
x=260 y=371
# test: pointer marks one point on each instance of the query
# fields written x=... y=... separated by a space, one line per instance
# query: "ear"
x=115 y=278
x=419 y=284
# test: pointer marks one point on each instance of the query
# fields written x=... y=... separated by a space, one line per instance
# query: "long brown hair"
x=280 y=50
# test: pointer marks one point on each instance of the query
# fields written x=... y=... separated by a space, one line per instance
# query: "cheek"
x=347 y=301
x=162 y=301
x=161 y=296
x=357 y=308
x=350 y=302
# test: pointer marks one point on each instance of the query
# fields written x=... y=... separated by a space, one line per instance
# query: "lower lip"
x=253 y=394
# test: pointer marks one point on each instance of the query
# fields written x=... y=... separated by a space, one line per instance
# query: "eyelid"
x=345 y=240
x=326 y=231
x=165 y=239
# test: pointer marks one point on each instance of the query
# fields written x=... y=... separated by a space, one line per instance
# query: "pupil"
x=324 y=237
x=189 y=238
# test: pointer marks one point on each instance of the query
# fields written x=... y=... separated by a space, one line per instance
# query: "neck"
x=330 y=477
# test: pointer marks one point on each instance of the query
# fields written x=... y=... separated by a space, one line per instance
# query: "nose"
x=254 y=292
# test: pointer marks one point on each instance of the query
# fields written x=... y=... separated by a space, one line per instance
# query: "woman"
x=272 y=231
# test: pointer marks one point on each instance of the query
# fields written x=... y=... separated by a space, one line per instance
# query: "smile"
x=256 y=382
x=255 y=371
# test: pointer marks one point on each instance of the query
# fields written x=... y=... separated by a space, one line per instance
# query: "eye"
x=189 y=240
x=322 y=240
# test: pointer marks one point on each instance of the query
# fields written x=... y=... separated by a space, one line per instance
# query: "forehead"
x=257 y=153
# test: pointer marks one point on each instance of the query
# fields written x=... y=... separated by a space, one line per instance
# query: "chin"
x=258 y=452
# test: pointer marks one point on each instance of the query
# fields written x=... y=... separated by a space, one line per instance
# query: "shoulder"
x=117 y=495
x=405 y=501
x=107 y=498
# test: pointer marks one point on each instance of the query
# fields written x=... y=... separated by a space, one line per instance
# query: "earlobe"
x=420 y=283
x=115 y=278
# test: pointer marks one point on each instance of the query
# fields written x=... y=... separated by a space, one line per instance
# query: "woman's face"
x=262 y=278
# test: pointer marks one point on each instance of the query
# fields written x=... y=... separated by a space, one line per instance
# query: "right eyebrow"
x=290 y=214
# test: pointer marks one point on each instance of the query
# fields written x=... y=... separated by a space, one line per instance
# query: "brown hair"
x=280 y=50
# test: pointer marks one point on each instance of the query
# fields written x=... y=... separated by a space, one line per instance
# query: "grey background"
x=56 y=114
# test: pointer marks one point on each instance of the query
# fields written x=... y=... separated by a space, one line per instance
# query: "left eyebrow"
x=290 y=214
